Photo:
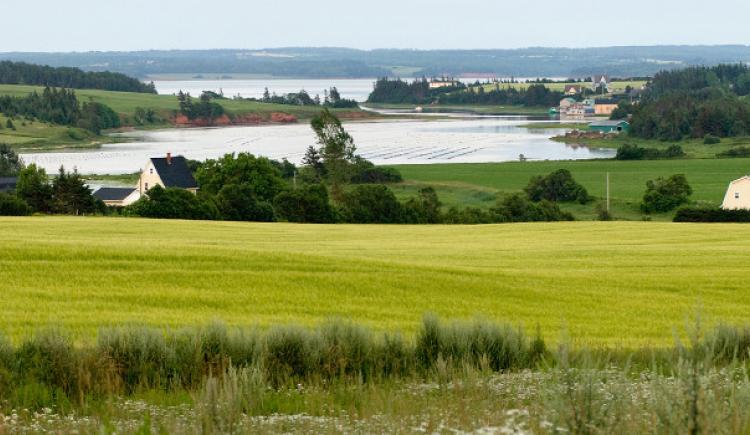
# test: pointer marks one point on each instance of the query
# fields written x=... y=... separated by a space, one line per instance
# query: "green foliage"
x=371 y=203
x=258 y=174
x=634 y=152
x=173 y=203
x=205 y=109
x=10 y=164
x=11 y=205
x=737 y=152
x=424 y=209
x=9 y=124
x=28 y=74
x=307 y=204
x=557 y=186
x=663 y=195
x=33 y=187
x=532 y=96
x=711 y=214
x=71 y=195
x=710 y=139
x=60 y=106
x=336 y=149
x=518 y=208
x=238 y=202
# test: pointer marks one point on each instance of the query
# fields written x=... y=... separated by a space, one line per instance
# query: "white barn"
x=738 y=195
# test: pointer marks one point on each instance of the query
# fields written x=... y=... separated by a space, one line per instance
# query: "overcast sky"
x=83 y=25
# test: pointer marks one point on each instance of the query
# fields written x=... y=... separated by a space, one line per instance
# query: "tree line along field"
x=479 y=184
x=126 y=103
x=628 y=284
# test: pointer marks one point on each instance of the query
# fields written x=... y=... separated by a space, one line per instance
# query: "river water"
x=465 y=139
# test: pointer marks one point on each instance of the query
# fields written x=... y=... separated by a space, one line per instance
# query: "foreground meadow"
x=620 y=283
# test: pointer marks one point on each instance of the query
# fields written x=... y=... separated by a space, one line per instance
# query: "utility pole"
x=608 y=200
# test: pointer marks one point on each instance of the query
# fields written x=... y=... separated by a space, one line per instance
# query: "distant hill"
x=351 y=63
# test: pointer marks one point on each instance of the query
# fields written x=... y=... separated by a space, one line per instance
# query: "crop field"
x=613 y=284
x=479 y=184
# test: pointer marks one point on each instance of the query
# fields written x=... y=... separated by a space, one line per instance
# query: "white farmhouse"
x=738 y=195
x=167 y=172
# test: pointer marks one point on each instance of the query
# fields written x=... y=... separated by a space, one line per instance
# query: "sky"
x=115 y=25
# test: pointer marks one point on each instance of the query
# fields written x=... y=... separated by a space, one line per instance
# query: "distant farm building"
x=117 y=196
x=167 y=172
x=565 y=103
x=8 y=184
x=608 y=127
x=605 y=107
x=598 y=81
x=442 y=83
x=738 y=195
x=572 y=90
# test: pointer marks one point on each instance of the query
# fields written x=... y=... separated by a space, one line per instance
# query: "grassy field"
x=29 y=134
x=126 y=102
x=484 y=110
x=604 y=283
x=617 y=86
x=479 y=184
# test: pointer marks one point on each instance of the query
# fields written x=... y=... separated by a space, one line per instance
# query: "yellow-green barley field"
x=629 y=284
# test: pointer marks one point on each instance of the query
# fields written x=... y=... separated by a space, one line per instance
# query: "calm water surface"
x=416 y=141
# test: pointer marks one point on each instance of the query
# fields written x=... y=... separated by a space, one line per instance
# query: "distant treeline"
x=693 y=102
x=397 y=91
x=418 y=92
x=60 y=106
x=19 y=73
x=534 y=95
x=331 y=98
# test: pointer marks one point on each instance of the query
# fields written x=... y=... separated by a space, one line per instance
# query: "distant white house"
x=167 y=172
x=600 y=81
x=738 y=195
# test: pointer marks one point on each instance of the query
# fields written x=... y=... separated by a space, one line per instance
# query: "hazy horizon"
x=90 y=25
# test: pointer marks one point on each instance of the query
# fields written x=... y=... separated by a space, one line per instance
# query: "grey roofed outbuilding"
x=8 y=183
x=113 y=193
x=174 y=172
x=608 y=123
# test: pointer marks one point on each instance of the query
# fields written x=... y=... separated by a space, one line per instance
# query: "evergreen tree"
x=33 y=187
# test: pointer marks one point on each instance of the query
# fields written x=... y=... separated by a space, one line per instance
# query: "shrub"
x=517 y=208
x=424 y=209
x=634 y=152
x=371 y=203
x=237 y=202
x=11 y=205
x=702 y=214
x=710 y=139
x=377 y=175
x=173 y=203
x=307 y=204
x=663 y=195
x=557 y=186
x=741 y=151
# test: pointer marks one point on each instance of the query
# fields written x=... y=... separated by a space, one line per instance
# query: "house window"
x=736 y=195
x=151 y=171
x=146 y=186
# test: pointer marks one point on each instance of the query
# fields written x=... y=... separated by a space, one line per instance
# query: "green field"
x=126 y=102
x=603 y=283
x=616 y=86
x=479 y=184
x=29 y=134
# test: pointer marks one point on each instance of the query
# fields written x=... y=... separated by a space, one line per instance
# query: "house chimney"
x=169 y=158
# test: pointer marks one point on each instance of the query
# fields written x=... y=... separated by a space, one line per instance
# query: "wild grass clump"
x=501 y=346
